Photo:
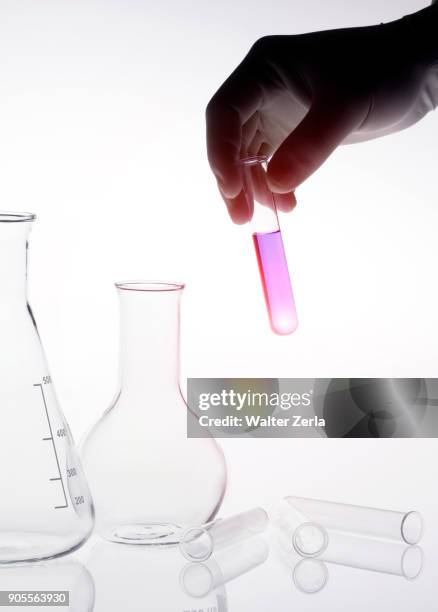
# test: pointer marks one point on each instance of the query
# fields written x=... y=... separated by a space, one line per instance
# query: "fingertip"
x=230 y=188
x=280 y=175
x=238 y=209
x=285 y=202
x=229 y=178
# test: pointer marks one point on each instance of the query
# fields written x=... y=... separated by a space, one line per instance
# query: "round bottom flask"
x=149 y=481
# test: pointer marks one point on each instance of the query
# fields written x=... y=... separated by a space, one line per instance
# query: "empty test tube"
x=199 y=543
x=387 y=524
x=297 y=532
x=268 y=243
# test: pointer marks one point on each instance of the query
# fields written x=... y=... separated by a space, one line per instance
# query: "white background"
x=102 y=135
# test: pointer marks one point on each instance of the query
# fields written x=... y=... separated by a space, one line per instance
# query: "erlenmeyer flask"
x=45 y=505
x=148 y=480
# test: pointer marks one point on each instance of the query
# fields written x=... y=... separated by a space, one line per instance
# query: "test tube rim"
x=193 y=558
x=252 y=160
x=16 y=217
x=418 y=517
x=151 y=286
x=317 y=553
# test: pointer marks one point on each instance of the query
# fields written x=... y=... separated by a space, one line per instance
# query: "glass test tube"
x=297 y=532
x=199 y=579
x=374 y=522
x=198 y=543
x=269 y=247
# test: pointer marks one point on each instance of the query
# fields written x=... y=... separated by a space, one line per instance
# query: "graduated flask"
x=149 y=481
x=45 y=505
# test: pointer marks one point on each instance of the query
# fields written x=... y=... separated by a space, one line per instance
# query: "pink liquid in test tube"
x=276 y=282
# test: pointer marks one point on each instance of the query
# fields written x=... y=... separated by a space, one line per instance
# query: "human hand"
x=296 y=98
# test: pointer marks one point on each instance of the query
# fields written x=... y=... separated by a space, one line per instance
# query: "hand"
x=296 y=98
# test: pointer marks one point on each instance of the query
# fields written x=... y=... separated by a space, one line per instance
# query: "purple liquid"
x=276 y=282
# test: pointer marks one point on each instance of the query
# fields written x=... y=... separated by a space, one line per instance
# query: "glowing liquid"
x=276 y=282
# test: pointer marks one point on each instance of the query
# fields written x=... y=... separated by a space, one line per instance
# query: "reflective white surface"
x=113 y=577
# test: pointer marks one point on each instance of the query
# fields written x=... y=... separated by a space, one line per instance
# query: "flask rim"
x=151 y=286
x=16 y=217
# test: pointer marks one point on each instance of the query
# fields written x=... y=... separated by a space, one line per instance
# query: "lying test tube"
x=295 y=531
x=373 y=522
x=268 y=243
x=199 y=543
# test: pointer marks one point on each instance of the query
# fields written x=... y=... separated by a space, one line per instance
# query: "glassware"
x=198 y=543
x=296 y=531
x=149 y=481
x=200 y=579
x=45 y=505
x=269 y=248
x=386 y=524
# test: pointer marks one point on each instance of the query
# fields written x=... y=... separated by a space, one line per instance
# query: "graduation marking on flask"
x=61 y=433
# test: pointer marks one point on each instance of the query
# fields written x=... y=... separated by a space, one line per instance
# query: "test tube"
x=198 y=543
x=387 y=524
x=297 y=532
x=268 y=243
x=199 y=579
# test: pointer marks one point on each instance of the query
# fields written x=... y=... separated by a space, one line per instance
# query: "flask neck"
x=13 y=259
x=149 y=337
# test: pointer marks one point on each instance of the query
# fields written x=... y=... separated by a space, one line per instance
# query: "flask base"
x=29 y=547
x=152 y=534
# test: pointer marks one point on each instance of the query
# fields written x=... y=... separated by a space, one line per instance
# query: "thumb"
x=325 y=126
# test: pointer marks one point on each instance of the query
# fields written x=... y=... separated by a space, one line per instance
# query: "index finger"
x=232 y=105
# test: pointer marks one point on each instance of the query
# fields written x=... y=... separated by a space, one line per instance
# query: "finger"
x=260 y=192
x=249 y=131
x=238 y=208
x=285 y=202
x=227 y=112
x=325 y=126
x=256 y=143
x=265 y=150
x=223 y=146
